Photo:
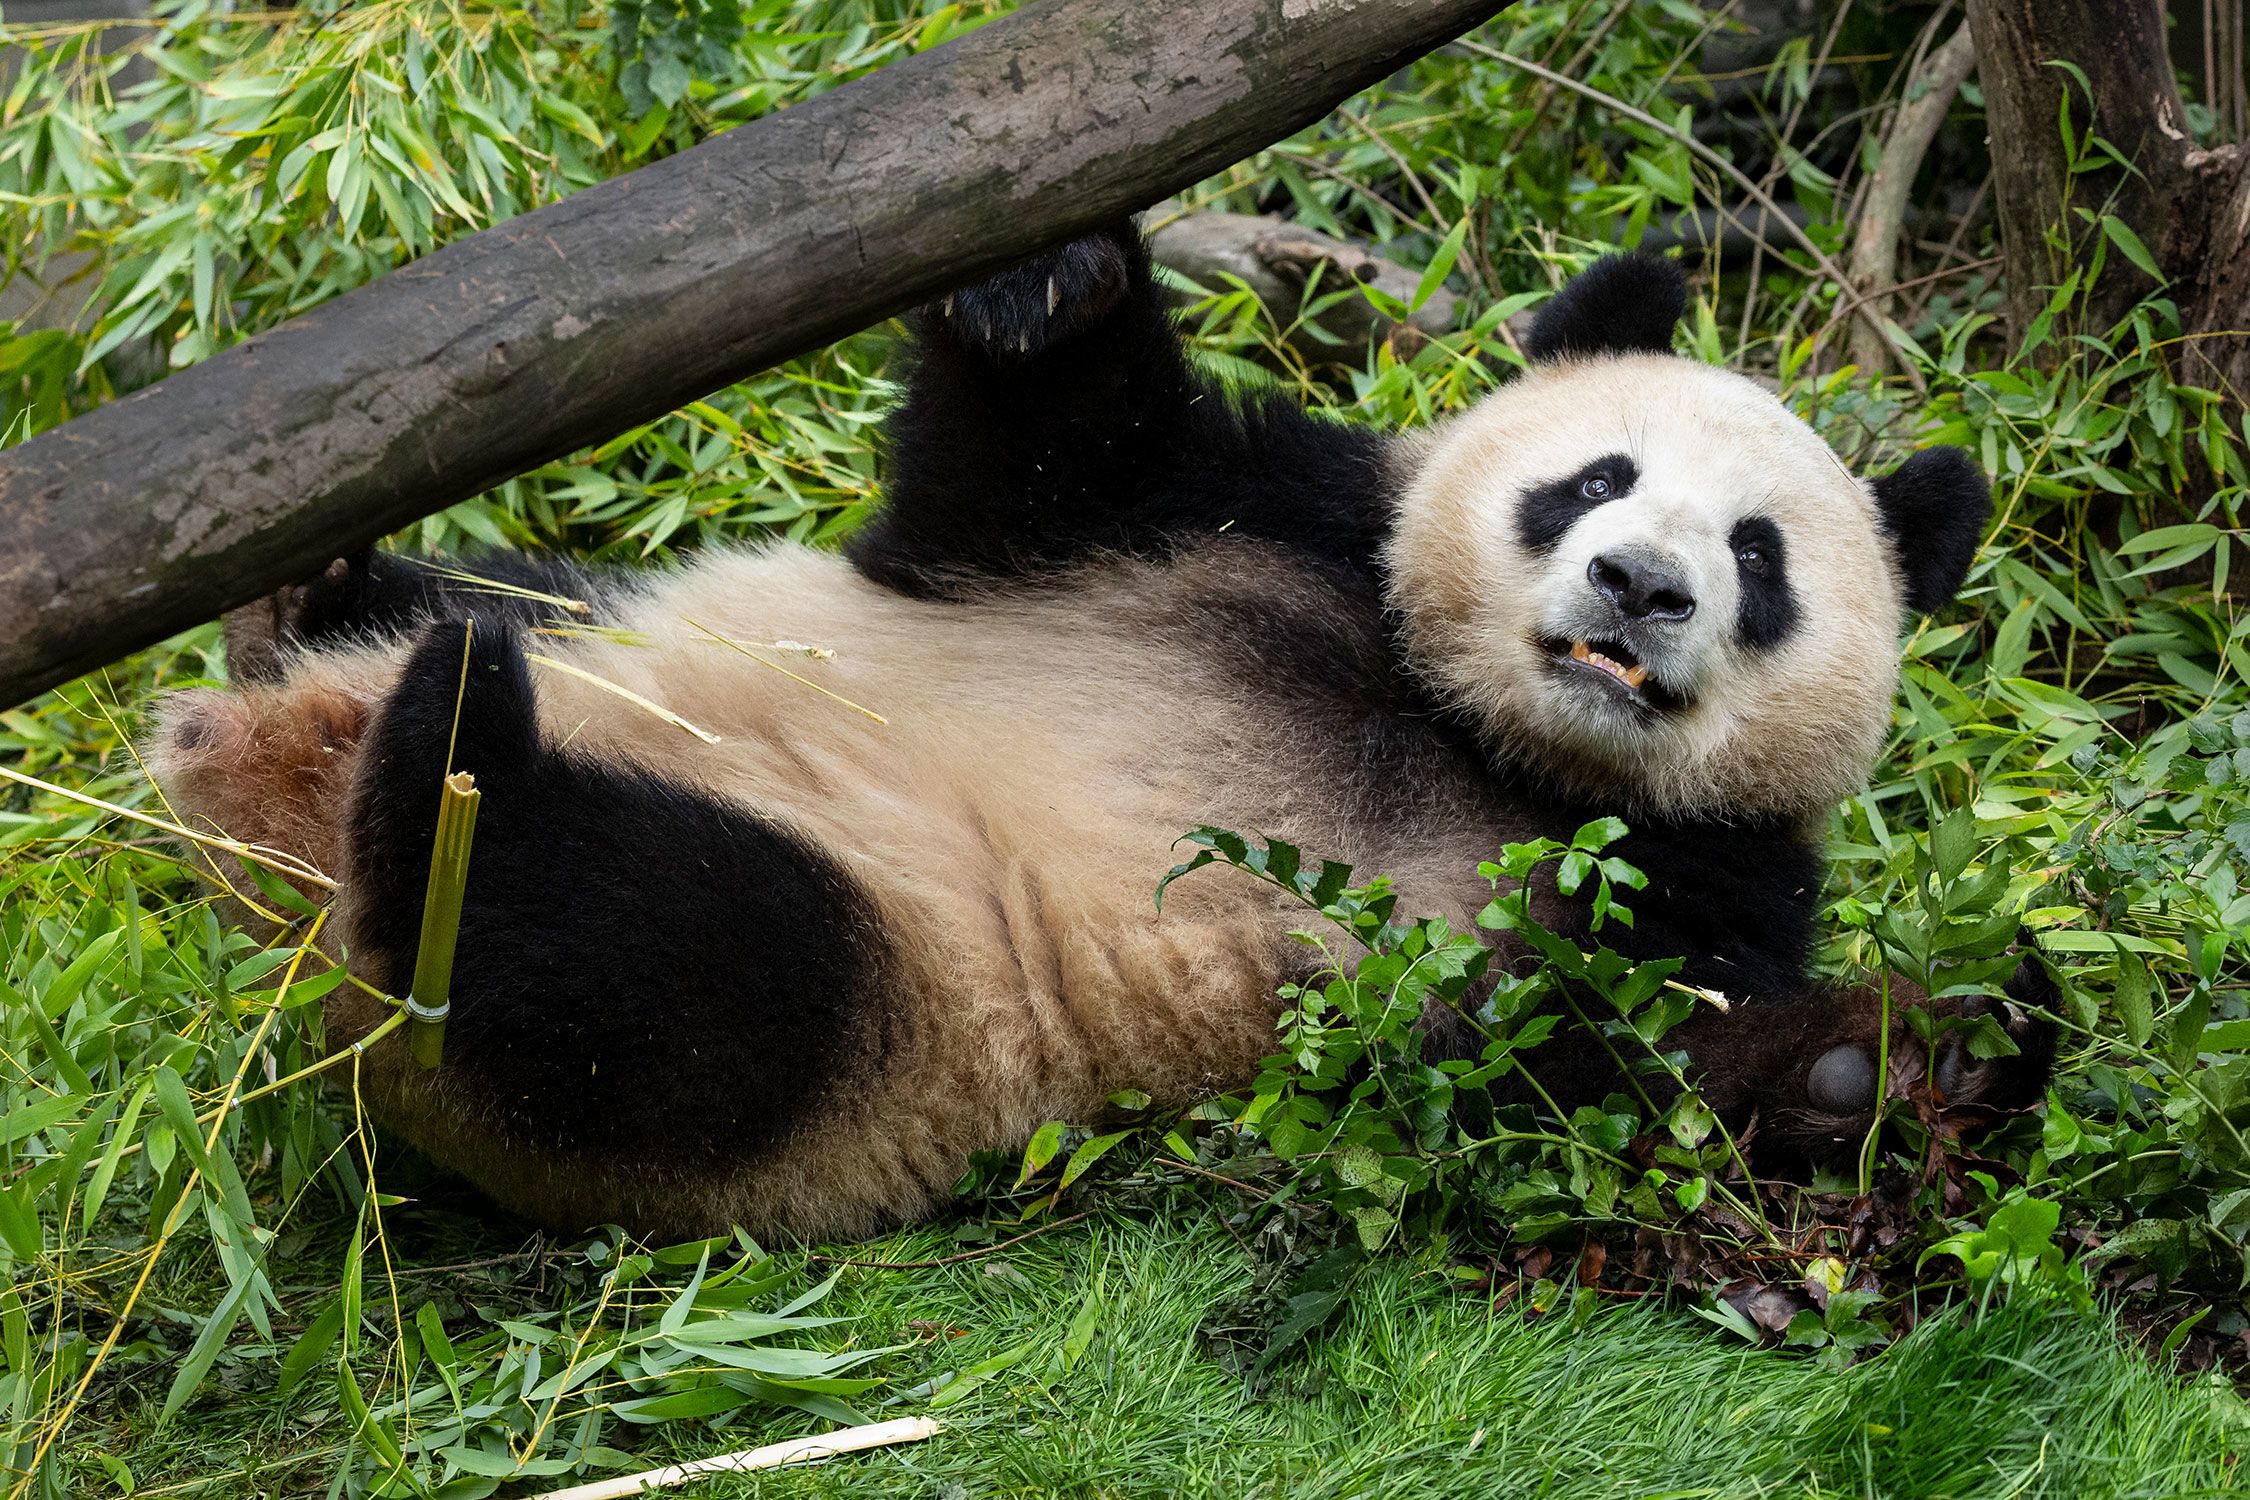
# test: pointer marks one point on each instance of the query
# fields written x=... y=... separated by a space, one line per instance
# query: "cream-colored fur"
x=1788 y=731
x=1039 y=751
x=1010 y=819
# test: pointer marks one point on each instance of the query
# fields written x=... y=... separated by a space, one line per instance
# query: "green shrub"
x=2074 y=732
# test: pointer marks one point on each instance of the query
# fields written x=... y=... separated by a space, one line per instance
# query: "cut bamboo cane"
x=772 y=1456
x=432 y=995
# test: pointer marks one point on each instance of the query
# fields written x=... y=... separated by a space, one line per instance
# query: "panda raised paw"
x=260 y=634
x=1033 y=306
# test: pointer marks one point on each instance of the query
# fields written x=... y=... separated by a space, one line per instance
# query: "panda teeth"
x=1632 y=676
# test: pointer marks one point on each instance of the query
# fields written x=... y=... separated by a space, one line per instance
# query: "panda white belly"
x=1008 y=815
x=1036 y=757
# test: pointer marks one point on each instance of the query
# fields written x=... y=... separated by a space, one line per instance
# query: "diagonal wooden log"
x=537 y=337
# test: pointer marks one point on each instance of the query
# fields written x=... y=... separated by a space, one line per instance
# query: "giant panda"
x=895 y=905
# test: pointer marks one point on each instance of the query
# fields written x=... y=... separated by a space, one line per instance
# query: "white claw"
x=946 y=307
x=1023 y=343
x=1054 y=296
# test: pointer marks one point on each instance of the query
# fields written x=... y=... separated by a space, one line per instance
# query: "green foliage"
x=1393 y=1144
x=2074 y=733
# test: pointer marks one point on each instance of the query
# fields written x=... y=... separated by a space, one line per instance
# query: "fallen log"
x=1279 y=261
x=563 y=327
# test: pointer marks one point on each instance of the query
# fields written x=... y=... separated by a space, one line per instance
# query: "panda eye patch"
x=1769 y=605
x=1548 y=510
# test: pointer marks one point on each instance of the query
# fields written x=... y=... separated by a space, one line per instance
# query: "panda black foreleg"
x=645 y=973
x=1803 y=1068
x=1051 y=411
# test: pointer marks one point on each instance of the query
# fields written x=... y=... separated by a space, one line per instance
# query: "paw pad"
x=1842 y=1080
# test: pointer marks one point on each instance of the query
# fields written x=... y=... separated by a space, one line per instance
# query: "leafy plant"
x=2073 y=734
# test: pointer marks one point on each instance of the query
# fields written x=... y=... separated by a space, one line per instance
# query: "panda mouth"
x=1612 y=664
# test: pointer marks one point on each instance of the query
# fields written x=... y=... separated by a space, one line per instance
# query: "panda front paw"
x=260 y=634
x=1962 y=1062
x=1045 y=300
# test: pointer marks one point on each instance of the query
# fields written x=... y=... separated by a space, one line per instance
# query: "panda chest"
x=1007 y=780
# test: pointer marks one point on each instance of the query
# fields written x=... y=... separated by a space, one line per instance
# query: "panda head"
x=1646 y=580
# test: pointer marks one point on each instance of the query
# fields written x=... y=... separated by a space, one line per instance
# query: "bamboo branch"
x=432 y=996
x=772 y=1456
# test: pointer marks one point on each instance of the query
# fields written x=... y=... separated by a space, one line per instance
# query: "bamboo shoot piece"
x=432 y=996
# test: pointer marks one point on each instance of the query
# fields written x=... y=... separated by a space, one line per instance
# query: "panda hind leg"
x=653 y=987
x=271 y=765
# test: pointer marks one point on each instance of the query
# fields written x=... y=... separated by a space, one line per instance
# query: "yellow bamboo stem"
x=432 y=995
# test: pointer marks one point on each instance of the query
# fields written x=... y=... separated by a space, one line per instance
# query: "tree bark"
x=2120 y=47
x=565 y=326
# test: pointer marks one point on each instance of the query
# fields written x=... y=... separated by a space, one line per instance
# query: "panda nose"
x=1642 y=584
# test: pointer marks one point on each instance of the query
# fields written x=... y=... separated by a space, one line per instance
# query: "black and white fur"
x=790 y=972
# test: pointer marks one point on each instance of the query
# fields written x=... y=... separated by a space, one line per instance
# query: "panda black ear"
x=1621 y=304
x=1933 y=508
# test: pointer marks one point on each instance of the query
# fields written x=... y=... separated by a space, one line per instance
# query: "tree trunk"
x=2190 y=207
x=1874 y=264
x=565 y=326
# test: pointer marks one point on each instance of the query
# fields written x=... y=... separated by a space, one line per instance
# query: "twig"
x=280 y=861
x=1781 y=165
x=1233 y=1182
x=644 y=704
x=514 y=1258
x=734 y=645
x=383 y=1028
x=1741 y=179
x=236 y=1476
x=950 y=1260
x=772 y=1456
x=1844 y=310
x=1951 y=254
x=1578 y=59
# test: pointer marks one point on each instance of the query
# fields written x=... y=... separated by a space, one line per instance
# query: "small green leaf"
x=1088 y=1153
x=2129 y=244
x=1441 y=266
x=1045 y=1142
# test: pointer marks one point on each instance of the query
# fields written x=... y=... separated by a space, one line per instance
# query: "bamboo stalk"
x=432 y=995
x=772 y=1456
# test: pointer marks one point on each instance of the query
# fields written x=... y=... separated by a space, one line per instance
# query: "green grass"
x=1103 y=1384
x=1426 y=1390
x=2086 y=703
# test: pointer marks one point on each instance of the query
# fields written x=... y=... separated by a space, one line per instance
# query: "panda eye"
x=1595 y=487
x=1753 y=558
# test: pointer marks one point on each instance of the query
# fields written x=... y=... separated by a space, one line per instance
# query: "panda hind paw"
x=1973 y=1069
x=260 y=634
